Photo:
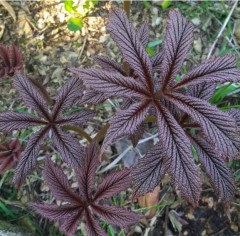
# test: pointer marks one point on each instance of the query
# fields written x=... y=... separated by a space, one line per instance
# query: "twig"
x=80 y=131
x=111 y=102
x=83 y=46
x=222 y=29
x=140 y=154
x=166 y=221
x=127 y=7
x=119 y=158
x=234 y=44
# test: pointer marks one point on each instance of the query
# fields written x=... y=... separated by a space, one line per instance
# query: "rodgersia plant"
x=86 y=203
x=181 y=110
x=179 y=107
x=50 y=123
x=9 y=154
x=11 y=61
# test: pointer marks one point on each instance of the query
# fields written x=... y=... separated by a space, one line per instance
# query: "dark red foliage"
x=9 y=154
x=11 y=60
x=50 y=122
x=178 y=106
x=236 y=115
x=86 y=203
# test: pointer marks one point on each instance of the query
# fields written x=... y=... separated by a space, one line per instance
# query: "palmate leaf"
x=67 y=95
x=149 y=171
x=10 y=120
x=29 y=158
x=59 y=184
x=126 y=121
x=143 y=33
x=203 y=91
x=116 y=215
x=55 y=212
x=221 y=179
x=15 y=57
x=69 y=148
x=176 y=45
x=9 y=154
x=178 y=159
x=126 y=104
x=236 y=115
x=76 y=118
x=93 y=227
x=31 y=96
x=113 y=184
x=130 y=45
x=107 y=64
x=11 y=61
x=86 y=177
x=137 y=135
x=217 y=69
x=218 y=126
x=157 y=62
x=92 y=97
x=69 y=214
x=173 y=106
x=84 y=204
x=70 y=226
x=111 y=84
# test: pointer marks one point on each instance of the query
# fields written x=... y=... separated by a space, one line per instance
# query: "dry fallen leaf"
x=176 y=220
x=149 y=200
x=9 y=8
x=2 y=27
x=25 y=26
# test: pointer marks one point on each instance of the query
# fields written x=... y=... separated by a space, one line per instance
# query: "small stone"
x=154 y=11
x=138 y=229
x=198 y=45
x=103 y=38
x=234 y=228
x=196 y=21
x=43 y=59
x=63 y=59
x=158 y=21
x=103 y=29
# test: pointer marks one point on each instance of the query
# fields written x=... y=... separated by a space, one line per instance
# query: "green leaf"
x=165 y=4
x=178 y=78
x=175 y=222
x=194 y=152
x=75 y=24
x=147 y=5
x=150 y=51
x=155 y=43
x=6 y=210
x=110 y=230
x=68 y=4
x=222 y=92
x=89 y=4
x=226 y=108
